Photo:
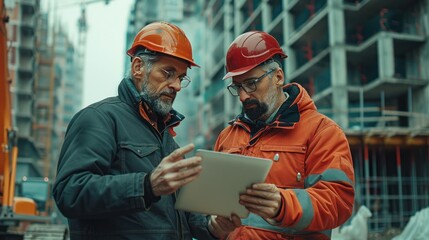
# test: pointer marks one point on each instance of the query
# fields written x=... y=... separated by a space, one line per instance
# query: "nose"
x=175 y=84
x=243 y=95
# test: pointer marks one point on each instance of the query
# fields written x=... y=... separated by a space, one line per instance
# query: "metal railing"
x=377 y=118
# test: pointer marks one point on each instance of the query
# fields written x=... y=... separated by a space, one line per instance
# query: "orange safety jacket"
x=312 y=166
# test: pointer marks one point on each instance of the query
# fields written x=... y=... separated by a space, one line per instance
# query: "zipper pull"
x=298 y=177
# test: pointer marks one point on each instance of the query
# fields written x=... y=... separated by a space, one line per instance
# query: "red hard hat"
x=249 y=50
x=165 y=38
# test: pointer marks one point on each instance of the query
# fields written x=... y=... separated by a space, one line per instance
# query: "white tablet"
x=224 y=176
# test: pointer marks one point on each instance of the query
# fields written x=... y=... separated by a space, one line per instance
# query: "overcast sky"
x=105 y=44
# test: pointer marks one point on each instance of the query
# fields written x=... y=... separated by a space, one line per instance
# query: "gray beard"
x=155 y=103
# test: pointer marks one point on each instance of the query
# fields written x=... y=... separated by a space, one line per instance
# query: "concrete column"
x=288 y=29
x=231 y=107
x=266 y=14
x=424 y=62
x=238 y=20
x=338 y=62
x=386 y=59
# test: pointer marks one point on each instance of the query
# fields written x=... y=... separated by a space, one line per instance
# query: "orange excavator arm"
x=8 y=138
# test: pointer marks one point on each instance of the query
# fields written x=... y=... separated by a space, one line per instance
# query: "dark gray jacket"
x=107 y=152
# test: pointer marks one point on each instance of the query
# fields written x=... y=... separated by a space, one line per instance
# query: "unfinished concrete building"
x=21 y=30
x=46 y=86
x=364 y=62
x=55 y=101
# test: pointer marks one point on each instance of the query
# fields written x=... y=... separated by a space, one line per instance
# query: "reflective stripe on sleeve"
x=330 y=175
x=307 y=209
x=256 y=221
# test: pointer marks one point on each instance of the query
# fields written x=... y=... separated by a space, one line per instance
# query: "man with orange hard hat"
x=310 y=187
x=119 y=167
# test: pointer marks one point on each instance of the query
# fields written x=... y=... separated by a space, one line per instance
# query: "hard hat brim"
x=132 y=52
x=238 y=72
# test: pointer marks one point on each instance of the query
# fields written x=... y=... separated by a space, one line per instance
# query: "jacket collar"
x=128 y=93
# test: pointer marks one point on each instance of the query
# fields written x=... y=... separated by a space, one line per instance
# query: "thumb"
x=236 y=220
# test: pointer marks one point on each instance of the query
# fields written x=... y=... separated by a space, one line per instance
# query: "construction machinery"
x=24 y=215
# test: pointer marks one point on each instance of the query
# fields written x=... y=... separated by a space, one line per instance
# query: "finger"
x=215 y=229
x=224 y=224
x=251 y=193
x=189 y=166
x=165 y=171
x=187 y=163
x=227 y=224
x=263 y=213
x=168 y=186
x=184 y=173
x=248 y=201
x=264 y=187
x=184 y=168
x=179 y=153
x=258 y=206
x=236 y=220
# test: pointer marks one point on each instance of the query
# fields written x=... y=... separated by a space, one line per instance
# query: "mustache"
x=250 y=102
x=169 y=92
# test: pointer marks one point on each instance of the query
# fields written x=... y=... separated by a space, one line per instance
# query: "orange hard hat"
x=249 y=50
x=164 y=38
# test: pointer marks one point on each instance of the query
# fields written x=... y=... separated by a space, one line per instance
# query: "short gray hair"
x=148 y=60
x=271 y=65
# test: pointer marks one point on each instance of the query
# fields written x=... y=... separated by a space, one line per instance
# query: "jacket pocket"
x=138 y=157
x=288 y=169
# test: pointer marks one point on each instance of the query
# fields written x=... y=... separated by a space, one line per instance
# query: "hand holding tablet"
x=217 y=189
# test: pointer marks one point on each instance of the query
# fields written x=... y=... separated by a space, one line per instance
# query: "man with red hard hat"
x=119 y=167
x=310 y=187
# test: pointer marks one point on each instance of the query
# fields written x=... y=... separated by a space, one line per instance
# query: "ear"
x=279 y=78
x=137 y=67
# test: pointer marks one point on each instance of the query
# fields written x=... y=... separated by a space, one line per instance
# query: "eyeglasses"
x=248 y=86
x=170 y=76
